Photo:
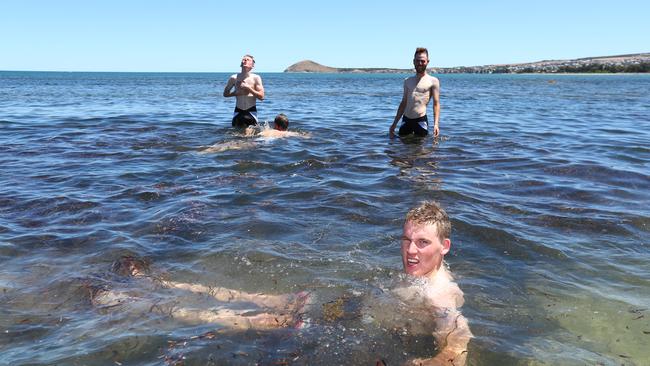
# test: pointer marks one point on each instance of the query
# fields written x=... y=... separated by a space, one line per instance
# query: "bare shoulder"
x=434 y=81
x=444 y=291
x=275 y=134
x=410 y=82
x=269 y=133
x=456 y=295
x=410 y=79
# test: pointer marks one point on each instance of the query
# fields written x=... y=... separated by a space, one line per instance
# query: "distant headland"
x=632 y=63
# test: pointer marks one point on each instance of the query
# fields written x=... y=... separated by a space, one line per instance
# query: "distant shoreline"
x=431 y=71
x=638 y=63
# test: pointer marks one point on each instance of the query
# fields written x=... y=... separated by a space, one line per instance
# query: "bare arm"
x=259 y=88
x=452 y=332
x=436 y=109
x=227 y=91
x=400 y=112
x=452 y=336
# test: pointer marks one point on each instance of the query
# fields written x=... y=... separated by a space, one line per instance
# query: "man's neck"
x=439 y=274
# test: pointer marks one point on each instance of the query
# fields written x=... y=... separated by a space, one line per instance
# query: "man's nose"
x=412 y=248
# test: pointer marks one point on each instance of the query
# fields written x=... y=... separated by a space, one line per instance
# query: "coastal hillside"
x=631 y=63
x=310 y=66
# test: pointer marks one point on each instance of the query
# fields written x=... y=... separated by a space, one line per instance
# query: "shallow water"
x=546 y=179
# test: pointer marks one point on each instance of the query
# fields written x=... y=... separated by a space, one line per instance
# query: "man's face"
x=420 y=62
x=422 y=250
x=247 y=62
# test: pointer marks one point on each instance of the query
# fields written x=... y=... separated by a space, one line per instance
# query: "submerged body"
x=196 y=303
x=425 y=242
x=259 y=134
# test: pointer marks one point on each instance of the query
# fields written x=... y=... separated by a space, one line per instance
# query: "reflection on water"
x=419 y=164
x=546 y=189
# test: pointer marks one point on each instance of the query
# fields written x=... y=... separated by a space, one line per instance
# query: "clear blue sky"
x=210 y=36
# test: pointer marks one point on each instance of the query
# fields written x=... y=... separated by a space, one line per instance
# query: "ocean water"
x=546 y=179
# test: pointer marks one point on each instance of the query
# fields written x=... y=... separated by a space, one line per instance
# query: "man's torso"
x=418 y=93
x=246 y=101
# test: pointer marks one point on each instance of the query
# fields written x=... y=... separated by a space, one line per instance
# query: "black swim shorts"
x=417 y=126
x=243 y=118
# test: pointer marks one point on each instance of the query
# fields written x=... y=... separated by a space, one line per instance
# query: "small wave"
x=505 y=242
x=227 y=146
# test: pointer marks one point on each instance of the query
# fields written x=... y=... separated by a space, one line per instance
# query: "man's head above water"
x=425 y=239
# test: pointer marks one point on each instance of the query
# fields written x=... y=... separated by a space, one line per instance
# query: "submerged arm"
x=452 y=336
x=452 y=332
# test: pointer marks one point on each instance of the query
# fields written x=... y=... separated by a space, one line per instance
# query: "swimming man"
x=418 y=90
x=425 y=241
x=280 y=127
x=247 y=89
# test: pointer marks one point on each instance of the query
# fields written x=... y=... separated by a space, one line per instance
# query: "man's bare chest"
x=246 y=80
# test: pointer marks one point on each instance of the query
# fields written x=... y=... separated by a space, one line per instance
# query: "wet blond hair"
x=430 y=213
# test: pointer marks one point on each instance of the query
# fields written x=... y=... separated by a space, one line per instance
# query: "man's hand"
x=436 y=130
x=244 y=88
x=391 y=131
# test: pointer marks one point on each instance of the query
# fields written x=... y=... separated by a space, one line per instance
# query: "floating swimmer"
x=280 y=128
x=265 y=133
x=230 y=308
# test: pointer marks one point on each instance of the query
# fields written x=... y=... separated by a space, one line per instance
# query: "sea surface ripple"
x=546 y=179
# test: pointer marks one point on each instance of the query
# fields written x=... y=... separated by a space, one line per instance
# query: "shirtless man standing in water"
x=425 y=241
x=247 y=89
x=418 y=90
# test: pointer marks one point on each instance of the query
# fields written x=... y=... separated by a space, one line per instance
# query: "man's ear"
x=446 y=245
